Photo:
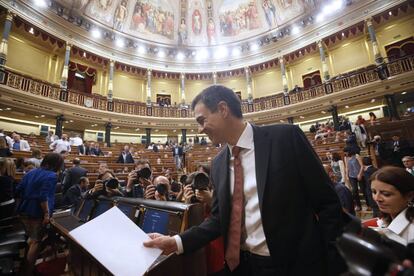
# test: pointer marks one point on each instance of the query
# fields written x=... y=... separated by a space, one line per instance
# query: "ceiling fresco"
x=192 y=22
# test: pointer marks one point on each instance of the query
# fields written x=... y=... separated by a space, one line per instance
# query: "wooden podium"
x=176 y=218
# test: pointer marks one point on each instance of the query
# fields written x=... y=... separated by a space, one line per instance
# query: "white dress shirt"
x=256 y=240
x=76 y=141
x=401 y=230
x=60 y=145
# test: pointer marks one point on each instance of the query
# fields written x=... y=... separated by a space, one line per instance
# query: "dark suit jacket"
x=84 y=151
x=128 y=158
x=73 y=176
x=300 y=211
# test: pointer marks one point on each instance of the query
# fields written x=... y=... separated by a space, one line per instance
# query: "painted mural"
x=191 y=22
x=238 y=16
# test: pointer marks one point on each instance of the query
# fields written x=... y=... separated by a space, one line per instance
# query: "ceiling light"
x=142 y=49
x=40 y=3
x=202 y=54
x=323 y=111
x=295 y=30
x=302 y=117
x=180 y=56
x=120 y=43
x=137 y=129
x=36 y=116
x=8 y=108
x=320 y=17
x=401 y=102
x=96 y=33
x=373 y=101
x=236 y=52
x=282 y=121
x=174 y=130
x=156 y=130
x=161 y=54
x=347 y=106
x=343 y=34
x=42 y=116
x=390 y=13
x=84 y=54
x=403 y=93
x=192 y=130
x=221 y=52
x=71 y=121
x=254 y=46
x=66 y=122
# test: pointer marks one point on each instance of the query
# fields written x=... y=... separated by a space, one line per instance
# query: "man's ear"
x=223 y=109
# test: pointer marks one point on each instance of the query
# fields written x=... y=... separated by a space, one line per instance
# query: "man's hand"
x=188 y=193
x=166 y=243
x=204 y=196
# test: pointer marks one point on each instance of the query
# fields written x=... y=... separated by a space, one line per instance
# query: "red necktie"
x=234 y=235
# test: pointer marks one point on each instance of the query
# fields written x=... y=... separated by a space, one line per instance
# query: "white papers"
x=116 y=242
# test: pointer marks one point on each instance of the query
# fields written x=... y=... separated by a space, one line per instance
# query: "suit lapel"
x=262 y=149
x=221 y=165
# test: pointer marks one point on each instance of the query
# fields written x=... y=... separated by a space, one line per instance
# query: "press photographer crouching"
x=107 y=185
x=197 y=189
x=159 y=190
x=139 y=179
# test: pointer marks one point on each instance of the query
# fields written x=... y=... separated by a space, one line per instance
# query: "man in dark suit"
x=275 y=219
x=125 y=156
x=73 y=175
x=83 y=149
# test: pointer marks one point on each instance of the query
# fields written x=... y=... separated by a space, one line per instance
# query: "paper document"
x=116 y=242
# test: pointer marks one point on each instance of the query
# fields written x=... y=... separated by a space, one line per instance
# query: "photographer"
x=197 y=189
x=107 y=184
x=159 y=190
x=139 y=179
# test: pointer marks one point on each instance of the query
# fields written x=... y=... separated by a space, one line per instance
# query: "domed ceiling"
x=191 y=22
x=194 y=36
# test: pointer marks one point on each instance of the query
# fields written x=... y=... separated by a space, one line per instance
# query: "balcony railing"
x=99 y=102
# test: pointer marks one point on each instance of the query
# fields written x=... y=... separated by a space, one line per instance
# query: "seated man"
x=83 y=149
x=125 y=156
x=74 y=194
x=408 y=162
x=139 y=179
x=20 y=144
x=73 y=175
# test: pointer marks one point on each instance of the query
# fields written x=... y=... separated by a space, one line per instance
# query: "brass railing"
x=96 y=101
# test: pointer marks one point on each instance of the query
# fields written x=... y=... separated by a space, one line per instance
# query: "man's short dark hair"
x=211 y=96
x=76 y=161
x=52 y=162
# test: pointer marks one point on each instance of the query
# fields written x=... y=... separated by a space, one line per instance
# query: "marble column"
x=108 y=127
x=65 y=72
x=325 y=69
x=111 y=86
x=149 y=76
x=248 y=84
x=4 y=45
x=392 y=107
x=59 y=125
x=334 y=112
x=215 y=78
x=182 y=89
x=148 y=133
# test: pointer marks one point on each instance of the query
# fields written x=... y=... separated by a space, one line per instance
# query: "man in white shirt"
x=61 y=145
x=20 y=144
x=8 y=139
x=76 y=141
x=275 y=220
x=50 y=138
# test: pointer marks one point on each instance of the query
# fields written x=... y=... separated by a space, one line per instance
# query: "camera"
x=144 y=173
x=198 y=181
x=111 y=183
x=162 y=189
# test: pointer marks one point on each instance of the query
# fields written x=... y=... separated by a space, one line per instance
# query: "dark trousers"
x=355 y=191
x=254 y=265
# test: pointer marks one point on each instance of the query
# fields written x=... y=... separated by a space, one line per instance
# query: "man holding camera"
x=275 y=220
x=139 y=179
